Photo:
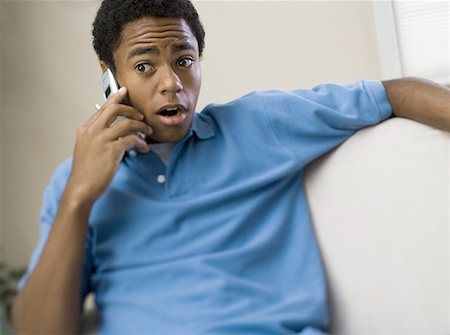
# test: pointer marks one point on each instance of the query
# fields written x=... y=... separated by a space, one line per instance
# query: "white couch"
x=380 y=207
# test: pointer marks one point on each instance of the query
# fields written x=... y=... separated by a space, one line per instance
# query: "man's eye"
x=185 y=62
x=143 y=68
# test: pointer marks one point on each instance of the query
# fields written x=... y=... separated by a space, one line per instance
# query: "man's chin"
x=170 y=133
x=165 y=137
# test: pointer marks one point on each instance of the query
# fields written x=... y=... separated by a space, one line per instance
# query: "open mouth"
x=169 y=112
x=172 y=116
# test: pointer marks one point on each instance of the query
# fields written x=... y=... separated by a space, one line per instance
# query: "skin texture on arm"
x=420 y=100
x=43 y=308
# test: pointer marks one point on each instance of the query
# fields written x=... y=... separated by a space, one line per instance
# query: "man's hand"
x=420 y=100
x=101 y=145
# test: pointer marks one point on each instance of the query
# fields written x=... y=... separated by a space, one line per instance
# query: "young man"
x=207 y=230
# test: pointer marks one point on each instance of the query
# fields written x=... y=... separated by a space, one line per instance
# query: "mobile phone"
x=109 y=84
x=109 y=88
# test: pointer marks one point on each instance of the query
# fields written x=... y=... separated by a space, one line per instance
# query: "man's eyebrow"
x=143 y=51
x=155 y=51
x=181 y=47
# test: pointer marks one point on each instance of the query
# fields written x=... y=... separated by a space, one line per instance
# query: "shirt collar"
x=201 y=127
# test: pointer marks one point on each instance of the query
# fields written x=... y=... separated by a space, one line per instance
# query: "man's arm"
x=420 y=100
x=50 y=301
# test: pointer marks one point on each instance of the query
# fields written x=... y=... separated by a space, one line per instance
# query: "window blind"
x=423 y=29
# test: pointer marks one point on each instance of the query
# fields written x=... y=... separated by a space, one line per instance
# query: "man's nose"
x=169 y=82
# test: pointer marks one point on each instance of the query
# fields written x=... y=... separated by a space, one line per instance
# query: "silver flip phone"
x=109 y=88
x=109 y=84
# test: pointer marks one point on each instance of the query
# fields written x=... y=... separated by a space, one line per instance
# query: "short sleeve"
x=51 y=198
x=308 y=123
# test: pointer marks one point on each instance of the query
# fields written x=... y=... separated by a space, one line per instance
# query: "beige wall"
x=50 y=78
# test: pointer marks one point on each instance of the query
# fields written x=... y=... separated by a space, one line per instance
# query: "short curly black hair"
x=113 y=15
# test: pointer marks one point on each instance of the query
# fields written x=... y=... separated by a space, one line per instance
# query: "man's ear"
x=103 y=65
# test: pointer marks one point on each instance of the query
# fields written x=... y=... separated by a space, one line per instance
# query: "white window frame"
x=388 y=42
x=387 y=36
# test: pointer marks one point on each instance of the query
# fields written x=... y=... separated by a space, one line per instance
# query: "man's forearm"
x=420 y=100
x=50 y=301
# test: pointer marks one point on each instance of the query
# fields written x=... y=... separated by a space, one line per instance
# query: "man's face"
x=158 y=62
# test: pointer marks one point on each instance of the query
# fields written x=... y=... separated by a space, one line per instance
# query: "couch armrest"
x=380 y=208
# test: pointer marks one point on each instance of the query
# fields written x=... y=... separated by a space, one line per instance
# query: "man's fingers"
x=127 y=127
x=118 y=97
x=115 y=107
x=115 y=112
x=133 y=141
x=110 y=114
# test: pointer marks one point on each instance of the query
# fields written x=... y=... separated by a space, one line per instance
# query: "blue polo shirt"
x=220 y=240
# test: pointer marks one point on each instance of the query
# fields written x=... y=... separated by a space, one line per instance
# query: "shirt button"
x=133 y=153
x=161 y=179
